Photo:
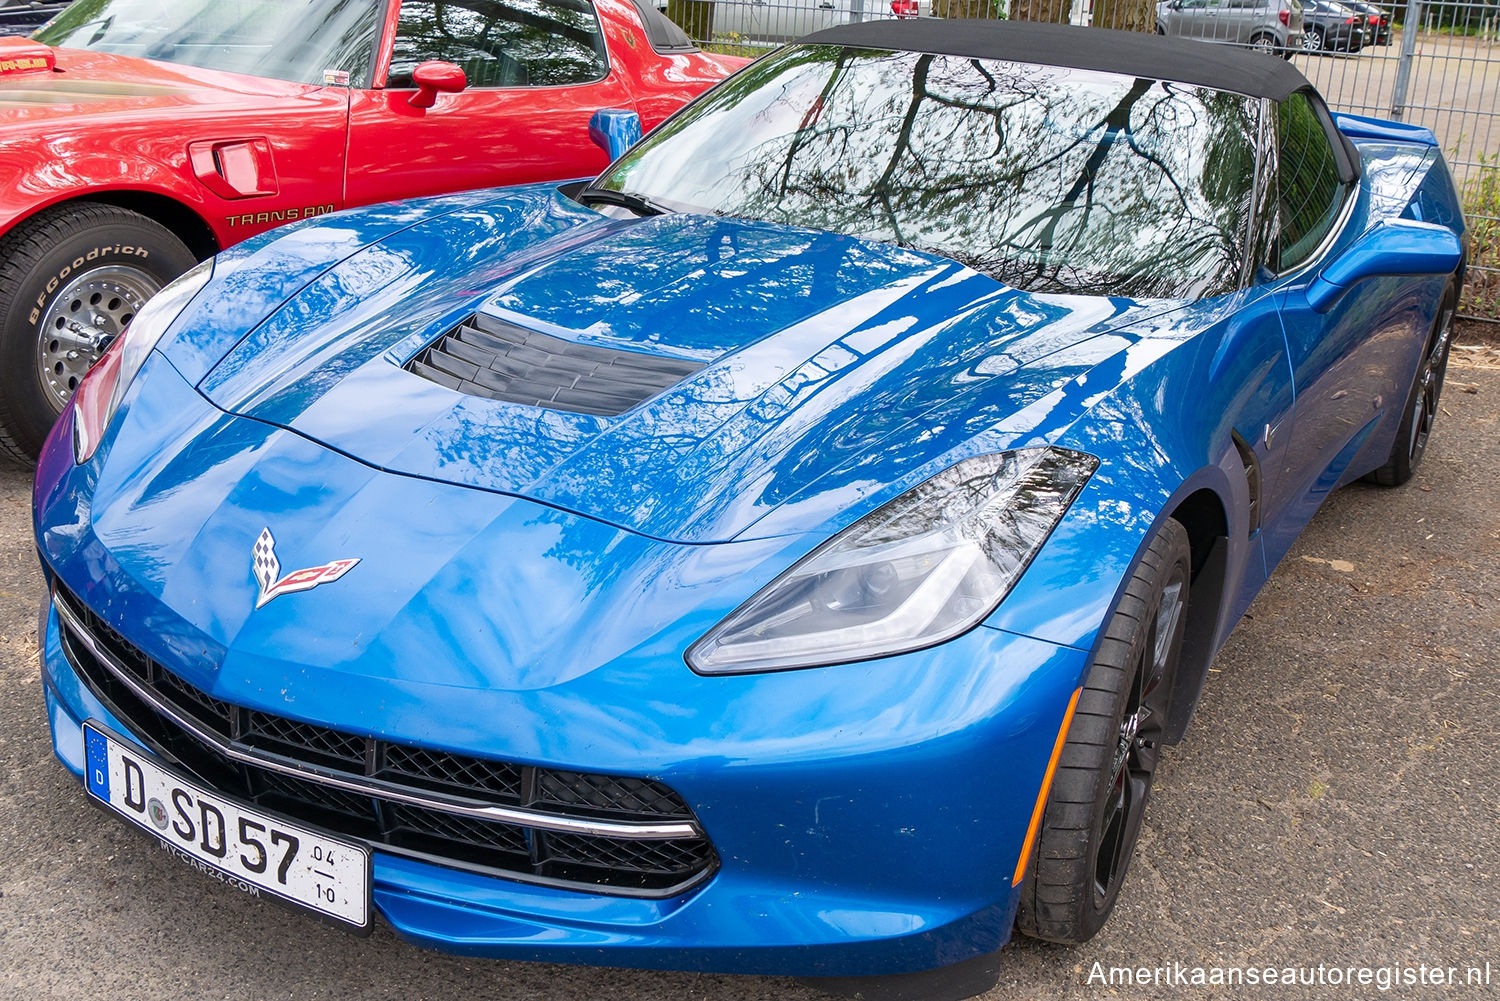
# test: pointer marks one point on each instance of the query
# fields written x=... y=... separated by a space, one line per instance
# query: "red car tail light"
x=1286 y=17
x=904 y=8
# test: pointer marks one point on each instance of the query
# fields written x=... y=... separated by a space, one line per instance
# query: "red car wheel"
x=70 y=280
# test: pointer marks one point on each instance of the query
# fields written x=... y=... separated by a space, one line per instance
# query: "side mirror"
x=433 y=78
x=614 y=130
x=1394 y=247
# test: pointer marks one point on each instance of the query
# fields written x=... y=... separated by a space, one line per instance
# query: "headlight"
x=923 y=568
x=99 y=396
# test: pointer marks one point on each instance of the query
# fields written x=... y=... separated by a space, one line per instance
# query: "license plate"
x=252 y=851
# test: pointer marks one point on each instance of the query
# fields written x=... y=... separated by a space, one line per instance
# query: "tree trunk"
x=1054 y=11
x=971 y=9
x=1125 y=15
x=696 y=17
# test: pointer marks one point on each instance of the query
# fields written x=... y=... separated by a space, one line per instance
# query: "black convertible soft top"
x=1154 y=57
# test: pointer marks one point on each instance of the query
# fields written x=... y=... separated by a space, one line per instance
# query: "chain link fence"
x=1431 y=64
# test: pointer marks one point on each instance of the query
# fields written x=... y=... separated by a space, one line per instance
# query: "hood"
x=471 y=620
x=798 y=361
x=171 y=520
x=79 y=84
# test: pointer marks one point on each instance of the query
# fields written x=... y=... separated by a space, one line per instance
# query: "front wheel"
x=1422 y=401
x=71 y=278
x=1103 y=778
x=1312 y=40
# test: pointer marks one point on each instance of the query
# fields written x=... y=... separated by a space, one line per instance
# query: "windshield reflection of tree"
x=1044 y=178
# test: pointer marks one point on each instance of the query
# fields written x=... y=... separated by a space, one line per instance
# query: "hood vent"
x=497 y=360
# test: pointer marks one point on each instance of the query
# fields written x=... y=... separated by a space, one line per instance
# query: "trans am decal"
x=282 y=215
x=25 y=64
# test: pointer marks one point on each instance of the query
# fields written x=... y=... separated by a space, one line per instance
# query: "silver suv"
x=1270 y=25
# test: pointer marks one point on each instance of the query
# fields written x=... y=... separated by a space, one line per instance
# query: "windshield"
x=303 y=41
x=1048 y=179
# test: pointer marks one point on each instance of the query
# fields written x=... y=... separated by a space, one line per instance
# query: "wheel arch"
x=1220 y=545
x=1073 y=587
x=1213 y=504
x=1204 y=514
x=184 y=222
x=181 y=219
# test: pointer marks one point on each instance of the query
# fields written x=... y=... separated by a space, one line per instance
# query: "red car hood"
x=97 y=83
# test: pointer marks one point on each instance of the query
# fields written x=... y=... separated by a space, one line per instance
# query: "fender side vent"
x=497 y=360
x=1252 y=477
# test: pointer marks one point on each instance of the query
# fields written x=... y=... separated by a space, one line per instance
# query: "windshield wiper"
x=639 y=204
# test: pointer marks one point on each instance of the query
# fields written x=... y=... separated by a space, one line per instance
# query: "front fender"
x=1076 y=580
x=37 y=173
x=1164 y=438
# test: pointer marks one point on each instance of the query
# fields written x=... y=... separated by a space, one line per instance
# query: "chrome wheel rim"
x=1311 y=41
x=1430 y=386
x=81 y=322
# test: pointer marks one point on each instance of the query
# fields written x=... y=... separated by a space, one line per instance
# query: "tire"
x=1421 y=406
x=1312 y=40
x=1103 y=777
x=1265 y=43
x=75 y=273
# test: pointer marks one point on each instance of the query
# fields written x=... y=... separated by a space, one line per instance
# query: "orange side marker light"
x=1041 y=798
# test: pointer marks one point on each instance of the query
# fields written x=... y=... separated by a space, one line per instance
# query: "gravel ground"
x=1334 y=803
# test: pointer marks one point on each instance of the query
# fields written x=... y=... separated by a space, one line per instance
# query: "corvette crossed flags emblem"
x=267 y=569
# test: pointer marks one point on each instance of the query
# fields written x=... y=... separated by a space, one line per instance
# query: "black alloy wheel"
x=1104 y=773
x=1421 y=408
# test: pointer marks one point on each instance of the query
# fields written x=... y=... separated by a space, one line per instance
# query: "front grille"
x=385 y=771
x=428 y=769
x=497 y=360
x=584 y=856
x=302 y=740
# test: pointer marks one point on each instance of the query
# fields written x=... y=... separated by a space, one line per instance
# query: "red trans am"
x=140 y=136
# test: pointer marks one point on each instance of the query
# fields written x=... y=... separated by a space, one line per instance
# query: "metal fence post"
x=1409 y=27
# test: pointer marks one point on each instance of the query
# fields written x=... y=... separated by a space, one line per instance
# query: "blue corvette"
x=787 y=552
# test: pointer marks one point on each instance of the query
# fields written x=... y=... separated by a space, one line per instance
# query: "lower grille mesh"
x=620 y=864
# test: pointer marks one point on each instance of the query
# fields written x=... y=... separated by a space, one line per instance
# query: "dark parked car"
x=1377 y=21
x=21 y=17
x=1333 y=27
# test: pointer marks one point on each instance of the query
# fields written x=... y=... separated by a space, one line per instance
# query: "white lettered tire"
x=71 y=277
